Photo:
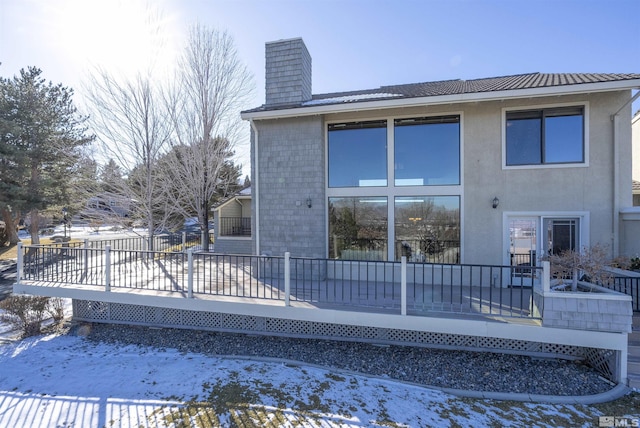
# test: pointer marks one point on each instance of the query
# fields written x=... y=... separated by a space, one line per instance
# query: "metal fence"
x=428 y=287
x=163 y=242
x=629 y=286
x=415 y=288
x=234 y=226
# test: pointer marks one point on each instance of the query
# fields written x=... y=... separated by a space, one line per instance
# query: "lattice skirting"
x=605 y=361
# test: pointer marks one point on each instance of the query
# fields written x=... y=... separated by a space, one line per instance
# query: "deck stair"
x=633 y=362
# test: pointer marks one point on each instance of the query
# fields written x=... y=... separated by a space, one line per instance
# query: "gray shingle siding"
x=288 y=72
x=291 y=159
x=233 y=246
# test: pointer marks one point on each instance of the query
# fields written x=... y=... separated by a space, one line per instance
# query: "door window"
x=523 y=241
x=561 y=234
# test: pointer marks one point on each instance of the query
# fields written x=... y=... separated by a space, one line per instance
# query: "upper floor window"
x=545 y=136
x=358 y=154
x=427 y=151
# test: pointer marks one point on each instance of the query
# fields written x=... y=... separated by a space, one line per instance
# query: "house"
x=107 y=204
x=409 y=214
x=232 y=224
x=494 y=171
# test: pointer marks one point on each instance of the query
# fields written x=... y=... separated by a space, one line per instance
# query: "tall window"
x=545 y=136
x=427 y=151
x=358 y=228
x=370 y=166
x=358 y=154
x=427 y=228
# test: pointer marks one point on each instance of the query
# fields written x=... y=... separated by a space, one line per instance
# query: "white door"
x=523 y=241
x=523 y=235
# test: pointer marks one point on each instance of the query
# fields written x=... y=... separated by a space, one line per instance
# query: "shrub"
x=55 y=308
x=25 y=312
x=590 y=265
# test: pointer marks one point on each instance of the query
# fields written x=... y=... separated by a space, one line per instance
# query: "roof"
x=452 y=90
x=241 y=194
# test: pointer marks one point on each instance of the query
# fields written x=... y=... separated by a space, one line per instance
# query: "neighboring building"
x=232 y=224
x=489 y=171
x=107 y=204
x=636 y=193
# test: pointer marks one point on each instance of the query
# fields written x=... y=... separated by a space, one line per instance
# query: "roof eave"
x=444 y=99
x=231 y=199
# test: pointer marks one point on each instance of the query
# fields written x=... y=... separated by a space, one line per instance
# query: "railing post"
x=184 y=240
x=107 y=273
x=20 y=267
x=86 y=256
x=190 y=273
x=287 y=279
x=403 y=285
x=546 y=276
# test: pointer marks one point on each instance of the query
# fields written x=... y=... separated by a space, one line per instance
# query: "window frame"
x=390 y=191
x=354 y=125
x=429 y=120
x=585 y=135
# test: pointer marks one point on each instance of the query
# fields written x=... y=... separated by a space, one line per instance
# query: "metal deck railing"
x=415 y=288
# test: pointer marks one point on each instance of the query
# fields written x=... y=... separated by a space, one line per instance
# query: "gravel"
x=477 y=371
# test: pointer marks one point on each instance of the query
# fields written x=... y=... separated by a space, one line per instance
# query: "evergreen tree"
x=42 y=136
x=111 y=178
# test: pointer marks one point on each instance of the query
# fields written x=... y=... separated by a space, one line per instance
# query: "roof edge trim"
x=444 y=99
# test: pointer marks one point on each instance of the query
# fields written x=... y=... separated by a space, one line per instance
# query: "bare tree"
x=132 y=124
x=211 y=88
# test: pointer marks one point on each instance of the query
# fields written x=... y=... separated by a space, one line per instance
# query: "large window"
x=372 y=166
x=427 y=228
x=358 y=228
x=427 y=151
x=358 y=154
x=545 y=136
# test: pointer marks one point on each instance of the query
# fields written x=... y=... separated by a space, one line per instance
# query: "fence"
x=164 y=242
x=629 y=286
x=415 y=288
x=234 y=226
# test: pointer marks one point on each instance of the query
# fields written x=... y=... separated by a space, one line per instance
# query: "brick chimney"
x=288 y=72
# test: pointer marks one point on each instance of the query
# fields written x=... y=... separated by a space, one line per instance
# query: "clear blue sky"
x=356 y=44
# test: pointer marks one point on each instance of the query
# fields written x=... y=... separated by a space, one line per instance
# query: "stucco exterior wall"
x=538 y=190
x=292 y=167
x=635 y=126
x=630 y=233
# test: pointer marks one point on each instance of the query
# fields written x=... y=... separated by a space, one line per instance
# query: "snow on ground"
x=60 y=380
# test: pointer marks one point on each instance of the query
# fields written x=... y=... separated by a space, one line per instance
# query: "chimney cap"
x=293 y=39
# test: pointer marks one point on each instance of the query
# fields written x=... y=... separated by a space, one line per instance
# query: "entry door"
x=523 y=233
x=523 y=241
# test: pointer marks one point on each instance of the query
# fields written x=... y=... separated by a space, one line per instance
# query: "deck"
x=428 y=290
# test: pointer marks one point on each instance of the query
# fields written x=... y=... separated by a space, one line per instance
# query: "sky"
x=69 y=381
x=354 y=44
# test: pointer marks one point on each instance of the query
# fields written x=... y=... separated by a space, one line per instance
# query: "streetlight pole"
x=64 y=221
